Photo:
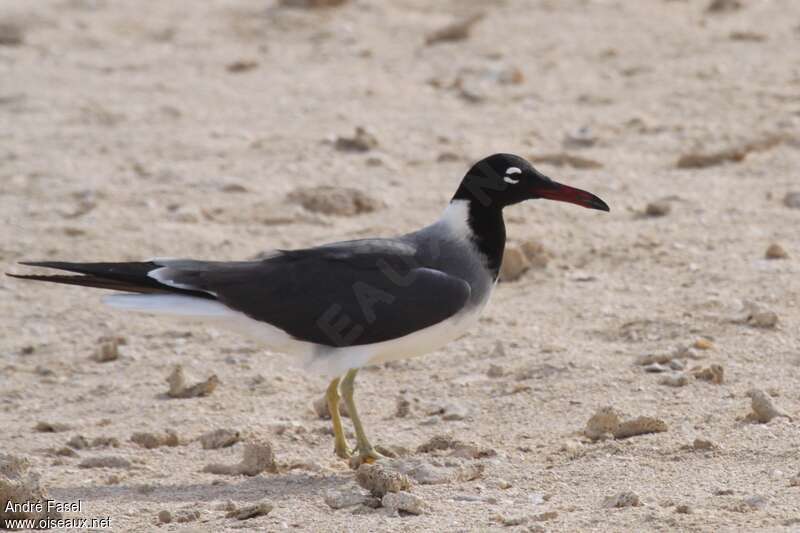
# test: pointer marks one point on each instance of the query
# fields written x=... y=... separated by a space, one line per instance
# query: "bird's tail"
x=126 y=277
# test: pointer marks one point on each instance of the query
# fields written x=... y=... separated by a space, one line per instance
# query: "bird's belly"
x=425 y=340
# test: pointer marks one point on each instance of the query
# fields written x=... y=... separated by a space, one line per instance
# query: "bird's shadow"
x=277 y=487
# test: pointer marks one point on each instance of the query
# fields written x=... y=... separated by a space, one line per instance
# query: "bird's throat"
x=483 y=226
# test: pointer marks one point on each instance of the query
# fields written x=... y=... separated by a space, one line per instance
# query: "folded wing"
x=348 y=294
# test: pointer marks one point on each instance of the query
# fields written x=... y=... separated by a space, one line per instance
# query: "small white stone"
x=339 y=499
x=404 y=501
x=623 y=499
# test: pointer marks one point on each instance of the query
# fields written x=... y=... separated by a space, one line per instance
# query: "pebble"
x=438 y=442
x=380 y=481
x=457 y=448
x=437 y=472
x=448 y=157
x=713 y=374
x=760 y=317
x=514 y=264
x=639 y=426
x=11 y=34
x=537 y=254
x=361 y=141
x=763 y=409
x=676 y=379
x=403 y=407
x=703 y=344
x=655 y=368
x=543 y=517
x=684 y=509
x=234 y=188
x=320 y=407
x=602 y=423
x=623 y=499
x=471 y=92
x=704 y=444
x=19 y=483
x=188 y=214
x=580 y=138
x=572 y=448
x=652 y=359
x=755 y=502
x=66 y=451
x=677 y=364
x=51 y=427
x=250 y=511
x=241 y=65
x=775 y=251
x=498 y=351
x=108 y=350
x=502 y=484
x=404 y=501
x=723 y=6
x=606 y=422
x=686 y=352
x=330 y=200
x=658 y=208
x=186 y=515
x=792 y=199
x=257 y=457
x=164 y=517
x=512 y=520
x=563 y=159
x=281 y=427
x=107 y=461
x=495 y=371
x=342 y=498
x=219 y=438
x=455 y=31
x=78 y=442
x=153 y=440
x=450 y=411
x=179 y=389
x=510 y=75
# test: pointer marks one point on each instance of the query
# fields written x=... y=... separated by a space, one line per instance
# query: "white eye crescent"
x=510 y=180
x=513 y=170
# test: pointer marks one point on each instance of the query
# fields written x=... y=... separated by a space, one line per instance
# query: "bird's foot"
x=369 y=455
x=342 y=451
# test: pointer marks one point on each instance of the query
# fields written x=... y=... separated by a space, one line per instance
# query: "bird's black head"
x=505 y=179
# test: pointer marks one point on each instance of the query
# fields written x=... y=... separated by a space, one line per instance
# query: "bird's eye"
x=510 y=171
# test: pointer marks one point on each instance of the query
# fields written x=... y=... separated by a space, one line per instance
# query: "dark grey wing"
x=347 y=294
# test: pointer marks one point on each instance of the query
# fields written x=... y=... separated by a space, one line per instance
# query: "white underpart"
x=513 y=170
x=168 y=304
x=326 y=361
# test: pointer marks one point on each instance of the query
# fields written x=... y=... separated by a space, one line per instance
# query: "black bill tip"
x=597 y=203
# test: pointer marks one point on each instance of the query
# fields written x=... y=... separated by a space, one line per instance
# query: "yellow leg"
x=366 y=452
x=340 y=443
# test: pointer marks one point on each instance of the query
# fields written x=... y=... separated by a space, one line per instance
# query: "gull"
x=341 y=306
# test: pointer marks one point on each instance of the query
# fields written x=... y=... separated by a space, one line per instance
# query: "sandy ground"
x=131 y=130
